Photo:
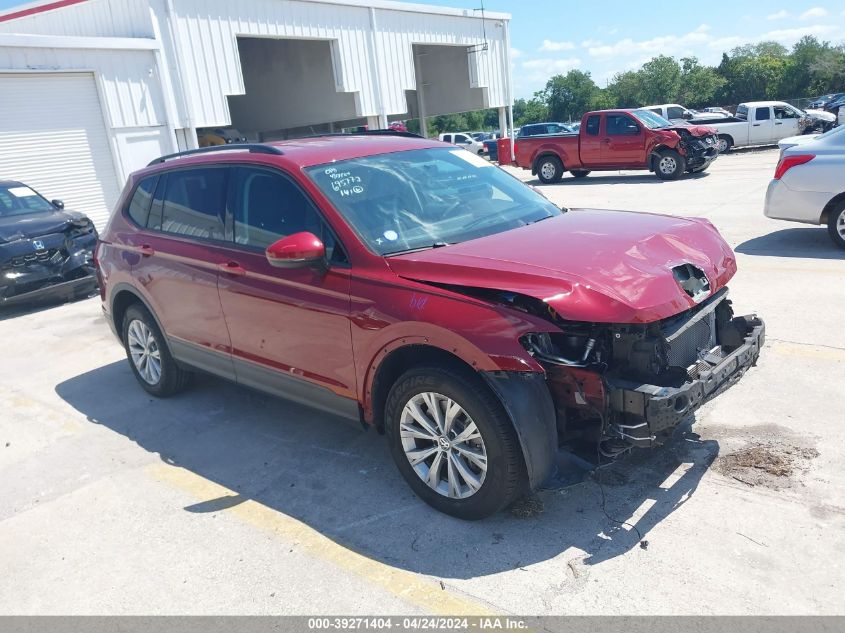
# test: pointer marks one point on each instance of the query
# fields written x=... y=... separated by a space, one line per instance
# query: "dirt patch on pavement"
x=772 y=465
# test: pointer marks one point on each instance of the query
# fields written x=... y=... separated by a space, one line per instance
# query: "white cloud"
x=780 y=15
x=665 y=45
x=516 y=53
x=549 y=46
x=590 y=43
x=552 y=65
x=815 y=12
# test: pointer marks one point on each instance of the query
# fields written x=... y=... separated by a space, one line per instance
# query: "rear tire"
x=549 y=170
x=836 y=225
x=669 y=165
x=469 y=488
x=580 y=173
x=148 y=355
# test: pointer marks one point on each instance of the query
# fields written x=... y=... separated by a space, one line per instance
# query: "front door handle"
x=146 y=250
x=778 y=123
x=756 y=125
x=232 y=268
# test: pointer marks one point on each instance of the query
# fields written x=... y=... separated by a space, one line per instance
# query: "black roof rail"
x=253 y=148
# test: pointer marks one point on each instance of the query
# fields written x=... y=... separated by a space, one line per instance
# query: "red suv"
x=413 y=287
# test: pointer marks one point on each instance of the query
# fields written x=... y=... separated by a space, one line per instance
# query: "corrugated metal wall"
x=130 y=86
x=104 y=18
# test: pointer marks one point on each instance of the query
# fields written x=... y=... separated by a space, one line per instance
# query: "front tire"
x=453 y=443
x=669 y=165
x=724 y=144
x=148 y=355
x=836 y=225
x=549 y=170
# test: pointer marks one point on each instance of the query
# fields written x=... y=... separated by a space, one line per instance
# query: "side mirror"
x=296 y=251
x=58 y=204
x=688 y=115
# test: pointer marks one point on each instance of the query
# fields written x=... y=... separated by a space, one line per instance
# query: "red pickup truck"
x=620 y=139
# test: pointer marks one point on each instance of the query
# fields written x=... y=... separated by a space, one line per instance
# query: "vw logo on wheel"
x=444 y=444
x=38 y=245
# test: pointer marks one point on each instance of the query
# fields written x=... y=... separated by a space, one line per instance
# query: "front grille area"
x=30 y=259
x=686 y=348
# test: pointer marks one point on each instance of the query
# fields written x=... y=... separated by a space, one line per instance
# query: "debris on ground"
x=527 y=507
x=766 y=464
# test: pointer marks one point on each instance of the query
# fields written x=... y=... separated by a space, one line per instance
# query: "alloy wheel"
x=722 y=145
x=840 y=224
x=144 y=350
x=443 y=445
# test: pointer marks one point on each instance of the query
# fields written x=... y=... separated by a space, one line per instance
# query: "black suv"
x=46 y=251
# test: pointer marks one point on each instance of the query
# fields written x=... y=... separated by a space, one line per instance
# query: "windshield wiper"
x=416 y=249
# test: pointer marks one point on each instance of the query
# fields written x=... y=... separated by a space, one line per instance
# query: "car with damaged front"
x=412 y=287
x=619 y=139
x=46 y=251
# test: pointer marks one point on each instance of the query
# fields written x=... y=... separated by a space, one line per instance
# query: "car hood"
x=694 y=129
x=820 y=115
x=20 y=227
x=589 y=265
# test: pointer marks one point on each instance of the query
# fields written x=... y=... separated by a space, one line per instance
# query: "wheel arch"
x=655 y=154
x=544 y=154
x=124 y=296
x=832 y=205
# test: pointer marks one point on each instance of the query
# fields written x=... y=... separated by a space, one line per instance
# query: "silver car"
x=809 y=184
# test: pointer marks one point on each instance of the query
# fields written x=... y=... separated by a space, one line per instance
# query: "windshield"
x=16 y=199
x=650 y=119
x=427 y=198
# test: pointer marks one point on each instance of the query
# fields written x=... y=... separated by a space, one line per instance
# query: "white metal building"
x=91 y=90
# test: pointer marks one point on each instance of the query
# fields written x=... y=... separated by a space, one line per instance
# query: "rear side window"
x=269 y=206
x=593 y=124
x=194 y=203
x=762 y=114
x=742 y=113
x=142 y=200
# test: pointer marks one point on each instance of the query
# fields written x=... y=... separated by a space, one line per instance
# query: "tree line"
x=762 y=71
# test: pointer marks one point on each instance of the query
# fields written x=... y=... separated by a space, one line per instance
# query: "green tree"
x=533 y=110
x=626 y=90
x=660 y=80
x=569 y=96
x=699 y=84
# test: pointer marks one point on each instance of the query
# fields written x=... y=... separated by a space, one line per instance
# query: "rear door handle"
x=146 y=250
x=232 y=268
x=756 y=125
x=778 y=123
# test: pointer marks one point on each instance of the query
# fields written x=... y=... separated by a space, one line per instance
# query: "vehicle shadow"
x=341 y=481
x=610 y=178
x=807 y=242
x=41 y=305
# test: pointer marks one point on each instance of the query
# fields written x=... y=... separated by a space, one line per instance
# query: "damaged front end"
x=699 y=145
x=629 y=385
x=54 y=266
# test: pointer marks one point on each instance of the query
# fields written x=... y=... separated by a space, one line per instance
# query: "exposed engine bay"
x=630 y=385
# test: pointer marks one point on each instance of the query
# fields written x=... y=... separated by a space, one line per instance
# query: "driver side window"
x=269 y=206
x=621 y=125
x=784 y=113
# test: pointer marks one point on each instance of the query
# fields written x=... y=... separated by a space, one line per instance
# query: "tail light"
x=788 y=162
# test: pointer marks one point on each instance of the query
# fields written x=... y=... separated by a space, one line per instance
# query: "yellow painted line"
x=417 y=590
x=808 y=350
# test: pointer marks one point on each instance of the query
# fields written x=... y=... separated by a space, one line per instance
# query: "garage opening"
x=291 y=91
x=446 y=81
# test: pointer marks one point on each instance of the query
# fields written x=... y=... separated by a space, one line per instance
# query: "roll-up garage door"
x=53 y=138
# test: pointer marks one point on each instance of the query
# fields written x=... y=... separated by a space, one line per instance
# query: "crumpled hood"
x=28 y=226
x=589 y=265
x=695 y=130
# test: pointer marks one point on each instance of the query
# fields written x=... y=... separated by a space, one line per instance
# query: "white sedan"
x=809 y=184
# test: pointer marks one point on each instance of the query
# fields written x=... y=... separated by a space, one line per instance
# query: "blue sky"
x=611 y=36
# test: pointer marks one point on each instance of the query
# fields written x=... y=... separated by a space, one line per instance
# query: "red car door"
x=623 y=144
x=185 y=237
x=290 y=327
x=590 y=141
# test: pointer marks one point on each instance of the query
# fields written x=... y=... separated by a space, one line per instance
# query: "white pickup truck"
x=759 y=123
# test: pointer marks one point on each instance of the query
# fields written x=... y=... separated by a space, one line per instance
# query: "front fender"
x=528 y=403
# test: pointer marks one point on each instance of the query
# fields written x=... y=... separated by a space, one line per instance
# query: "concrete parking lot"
x=224 y=501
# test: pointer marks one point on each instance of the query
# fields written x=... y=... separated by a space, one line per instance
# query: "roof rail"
x=366 y=133
x=253 y=148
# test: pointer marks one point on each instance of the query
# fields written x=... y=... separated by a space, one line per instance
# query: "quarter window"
x=194 y=203
x=593 y=124
x=139 y=206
